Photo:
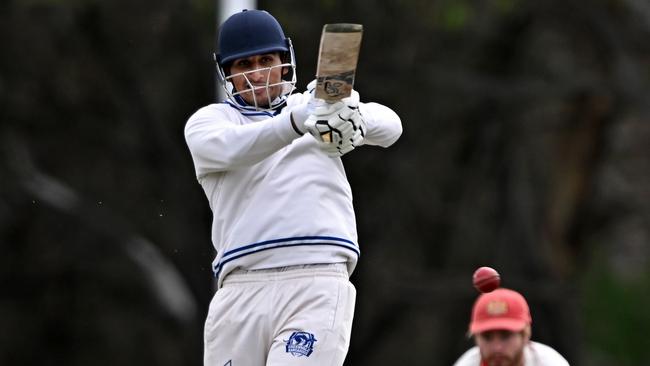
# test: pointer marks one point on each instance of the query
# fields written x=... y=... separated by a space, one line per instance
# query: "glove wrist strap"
x=293 y=124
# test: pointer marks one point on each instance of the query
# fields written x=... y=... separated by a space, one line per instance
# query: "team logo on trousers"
x=301 y=344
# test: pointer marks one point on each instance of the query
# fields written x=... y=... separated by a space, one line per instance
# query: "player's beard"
x=500 y=359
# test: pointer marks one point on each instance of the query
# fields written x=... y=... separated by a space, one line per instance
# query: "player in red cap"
x=501 y=327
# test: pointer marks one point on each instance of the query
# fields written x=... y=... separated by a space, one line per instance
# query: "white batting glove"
x=339 y=127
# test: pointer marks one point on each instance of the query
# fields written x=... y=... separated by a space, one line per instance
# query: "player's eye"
x=243 y=63
x=487 y=336
x=266 y=60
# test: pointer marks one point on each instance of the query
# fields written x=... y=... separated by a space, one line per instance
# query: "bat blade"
x=337 y=60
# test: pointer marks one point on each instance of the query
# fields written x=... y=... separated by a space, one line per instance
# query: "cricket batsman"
x=284 y=226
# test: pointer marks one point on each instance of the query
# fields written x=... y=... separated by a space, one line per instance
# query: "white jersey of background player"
x=283 y=222
x=501 y=326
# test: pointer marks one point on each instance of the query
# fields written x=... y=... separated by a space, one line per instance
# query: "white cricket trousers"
x=290 y=316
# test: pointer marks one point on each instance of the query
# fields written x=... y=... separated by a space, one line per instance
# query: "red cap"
x=500 y=309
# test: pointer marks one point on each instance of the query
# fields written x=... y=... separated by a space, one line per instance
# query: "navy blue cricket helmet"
x=249 y=33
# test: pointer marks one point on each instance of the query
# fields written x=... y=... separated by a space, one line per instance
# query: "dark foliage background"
x=525 y=147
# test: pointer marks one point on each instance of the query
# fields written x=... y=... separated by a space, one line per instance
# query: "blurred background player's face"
x=254 y=73
x=502 y=347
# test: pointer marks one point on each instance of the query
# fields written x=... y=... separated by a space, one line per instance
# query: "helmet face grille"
x=281 y=89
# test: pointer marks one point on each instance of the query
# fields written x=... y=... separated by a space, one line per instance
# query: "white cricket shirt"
x=277 y=199
x=535 y=354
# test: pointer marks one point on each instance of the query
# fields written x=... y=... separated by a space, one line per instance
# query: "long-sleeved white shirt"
x=535 y=354
x=277 y=199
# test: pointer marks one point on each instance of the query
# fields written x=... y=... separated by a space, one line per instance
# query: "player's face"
x=502 y=347
x=251 y=76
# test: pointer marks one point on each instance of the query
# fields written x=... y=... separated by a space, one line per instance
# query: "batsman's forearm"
x=384 y=126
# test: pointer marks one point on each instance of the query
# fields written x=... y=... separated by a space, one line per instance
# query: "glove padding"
x=339 y=127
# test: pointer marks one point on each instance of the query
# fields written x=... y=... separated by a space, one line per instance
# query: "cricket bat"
x=337 y=62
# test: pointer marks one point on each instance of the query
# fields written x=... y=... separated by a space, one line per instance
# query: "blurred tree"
x=106 y=257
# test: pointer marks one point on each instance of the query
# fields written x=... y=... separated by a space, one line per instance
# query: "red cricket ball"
x=486 y=279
